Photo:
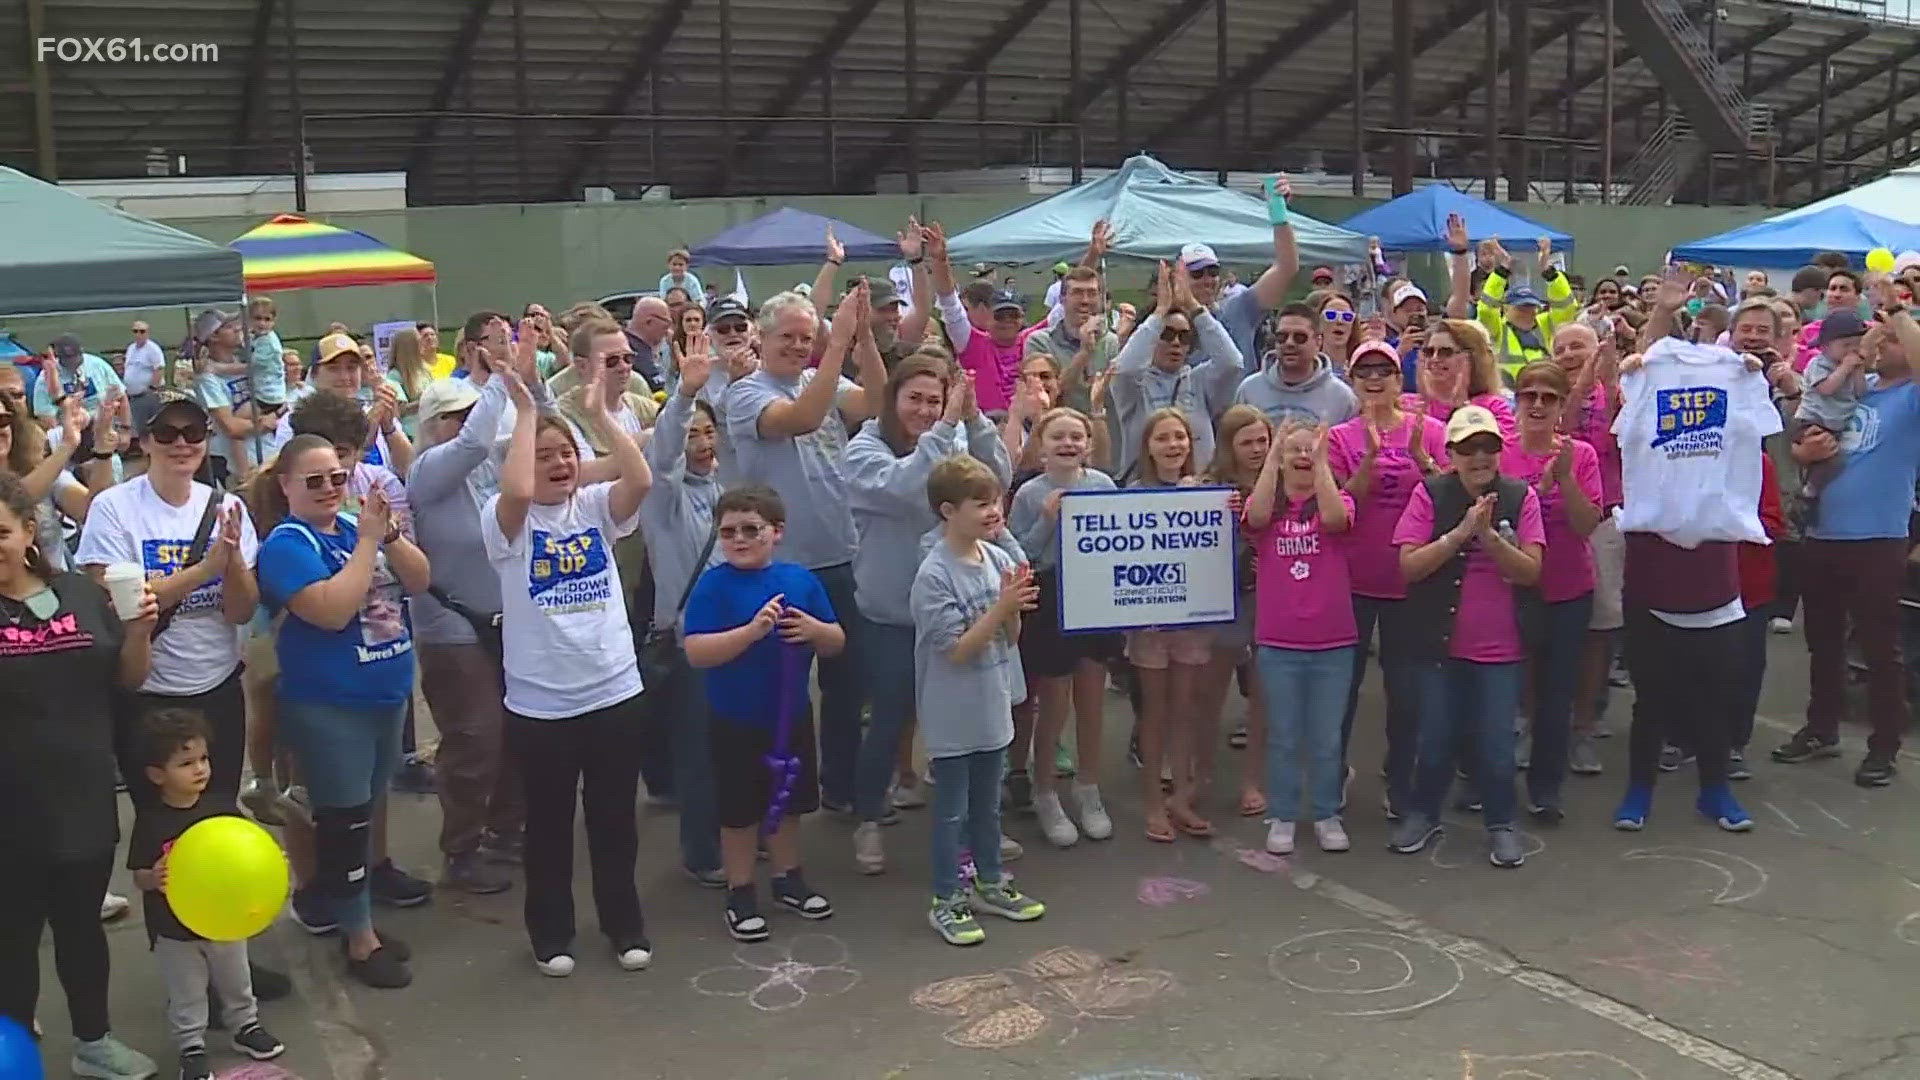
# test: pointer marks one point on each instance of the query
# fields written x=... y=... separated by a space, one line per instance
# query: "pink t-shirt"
x=1592 y=423
x=1486 y=629
x=1303 y=599
x=1495 y=403
x=1566 y=567
x=1372 y=560
x=995 y=369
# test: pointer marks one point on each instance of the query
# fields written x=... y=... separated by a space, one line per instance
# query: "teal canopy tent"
x=1153 y=211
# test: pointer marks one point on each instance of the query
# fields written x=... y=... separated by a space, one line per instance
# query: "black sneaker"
x=313 y=912
x=1737 y=766
x=1672 y=758
x=268 y=984
x=1806 y=745
x=791 y=891
x=394 y=887
x=1876 y=770
x=194 y=1065
x=401 y=951
x=744 y=920
x=382 y=969
x=258 y=1043
x=1546 y=813
x=470 y=872
x=503 y=848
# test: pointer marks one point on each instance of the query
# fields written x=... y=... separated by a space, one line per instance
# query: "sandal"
x=1159 y=830
x=1189 y=822
x=1252 y=803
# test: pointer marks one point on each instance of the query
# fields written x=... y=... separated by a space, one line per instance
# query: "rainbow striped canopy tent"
x=291 y=252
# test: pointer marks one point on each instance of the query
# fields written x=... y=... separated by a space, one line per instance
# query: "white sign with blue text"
x=1145 y=557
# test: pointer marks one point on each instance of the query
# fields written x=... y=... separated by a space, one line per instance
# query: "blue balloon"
x=19 y=1053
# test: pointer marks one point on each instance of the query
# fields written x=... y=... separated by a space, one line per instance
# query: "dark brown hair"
x=163 y=732
x=1548 y=372
x=264 y=497
x=913 y=367
x=751 y=499
x=14 y=496
x=339 y=420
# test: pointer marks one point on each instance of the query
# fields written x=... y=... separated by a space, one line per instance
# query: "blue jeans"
x=346 y=758
x=1304 y=693
x=1396 y=676
x=1463 y=699
x=885 y=654
x=1556 y=675
x=966 y=811
x=683 y=703
x=842 y=693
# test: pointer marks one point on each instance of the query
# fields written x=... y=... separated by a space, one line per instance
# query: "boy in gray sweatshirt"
x=967 y=598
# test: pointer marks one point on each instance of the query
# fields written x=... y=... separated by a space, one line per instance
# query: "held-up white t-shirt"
x=569 y=648
x=1689 y=432
x=130 y=522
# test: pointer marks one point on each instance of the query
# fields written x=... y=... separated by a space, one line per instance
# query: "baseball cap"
x=727 y=306
x=335 y=345
x=1373 y=354
x=1198 y=257
x=177 y=404
x=1008 y=300
x=66 y=346
x=1060 y=268
x=881 y=291
x=443 y=396
x=1622 y=271
x=1840 y=324
x=1905 y=261
x=1322 y=272
x=1470 y=420
x=1404 y=293
x=1524 y=297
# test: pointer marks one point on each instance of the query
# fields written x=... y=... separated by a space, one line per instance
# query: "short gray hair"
x=779 y=304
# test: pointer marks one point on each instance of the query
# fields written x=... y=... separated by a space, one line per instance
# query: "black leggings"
x=67 y=896
x=1684 y=683
x=224 y=706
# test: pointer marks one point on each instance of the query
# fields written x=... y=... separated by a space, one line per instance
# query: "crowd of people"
x=610 y=554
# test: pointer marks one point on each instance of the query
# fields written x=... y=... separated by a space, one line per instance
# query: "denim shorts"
x=346 y=755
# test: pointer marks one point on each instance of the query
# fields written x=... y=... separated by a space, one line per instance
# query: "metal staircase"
x=1664 y=160
x=1677 y=51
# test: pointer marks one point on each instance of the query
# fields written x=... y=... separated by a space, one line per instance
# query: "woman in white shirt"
x=573 y=687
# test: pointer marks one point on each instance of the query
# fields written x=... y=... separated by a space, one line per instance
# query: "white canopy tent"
x=1896 y=196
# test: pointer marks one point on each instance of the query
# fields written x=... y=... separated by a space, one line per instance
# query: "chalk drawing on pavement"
x=777 y=976
x=1060 y=988
x=1741 y=877
x=1167 y=891
x=1367 y=972
x=1557 y=1065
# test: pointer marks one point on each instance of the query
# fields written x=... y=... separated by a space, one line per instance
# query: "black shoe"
x=401 y=951
x=1806 y=745
x=414 y=777
x=194 y=1065
x=471 y=872
x=258 y=1043
x=394 y=887
x=744 y=920
x=1876 y=770
x=382 y=969
x=501 y=848
x=1672 y=758
x=791 y=891
x=313 y=912
x=1737 y=766
x=268 y=984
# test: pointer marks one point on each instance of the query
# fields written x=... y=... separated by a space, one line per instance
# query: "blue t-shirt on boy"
x=1872 y=494
x=745 y=690
x=367 y=664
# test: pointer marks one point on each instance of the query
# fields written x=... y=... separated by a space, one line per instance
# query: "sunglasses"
x=337 y=478
x=1375 y=371
x=614 y=360
x=1171 y=334
x=730 y=326
x=1544 y=397
x=1293 y=337
x=1477 y=446
x=1441 y=352
x=1336 y=315
x=1205 y=272
x=748 y=533
x=167 y=434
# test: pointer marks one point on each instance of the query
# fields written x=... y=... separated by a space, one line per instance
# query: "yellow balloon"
x=1880 y=261
x=227 y=879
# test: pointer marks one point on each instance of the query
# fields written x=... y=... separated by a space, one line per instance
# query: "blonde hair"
x=1483 y=373
x=1059 y=412
x=408 y=363
x=262 y=305
x=1225 y=467
x=1154 y=420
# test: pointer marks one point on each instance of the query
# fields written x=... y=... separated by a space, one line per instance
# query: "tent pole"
x=299 y=117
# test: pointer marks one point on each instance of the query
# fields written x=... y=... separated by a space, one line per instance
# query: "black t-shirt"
x=57 y=679
x=155 y=829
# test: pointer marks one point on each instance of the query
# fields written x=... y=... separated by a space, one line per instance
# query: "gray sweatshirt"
x=1037 y=533
x=888 y=496
x=1321 y=398
x=1202 y=390
x=446 y=522
x=676 y=517
x=964 y=708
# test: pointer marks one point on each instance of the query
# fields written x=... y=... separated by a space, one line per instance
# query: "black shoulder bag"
x=657 y=652
x=202 y=540
x=486 y=626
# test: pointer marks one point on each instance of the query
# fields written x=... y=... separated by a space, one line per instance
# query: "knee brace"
x=340 y=846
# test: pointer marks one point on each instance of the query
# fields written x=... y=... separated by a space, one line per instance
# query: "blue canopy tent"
x=1153 y=211
x=1792 y=242
x=1417 y=221
x=787 y=237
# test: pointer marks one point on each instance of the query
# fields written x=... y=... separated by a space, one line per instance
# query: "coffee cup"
x=126 y=584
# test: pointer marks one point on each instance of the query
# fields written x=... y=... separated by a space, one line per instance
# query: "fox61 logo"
x=1148 y=575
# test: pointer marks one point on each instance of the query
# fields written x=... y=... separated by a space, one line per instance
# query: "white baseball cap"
x=1404 y=293
x=1198 y=257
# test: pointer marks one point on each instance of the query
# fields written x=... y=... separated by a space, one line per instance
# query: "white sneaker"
x=1279 y=837
x=867 y=853
x=1331 y=834
x=908 y=794
x=1010 y=848
x=1780 y=626
x=1093 y=814
x=635 y=959
x=112 y=906
x=557 y=967
x=1053 y=820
